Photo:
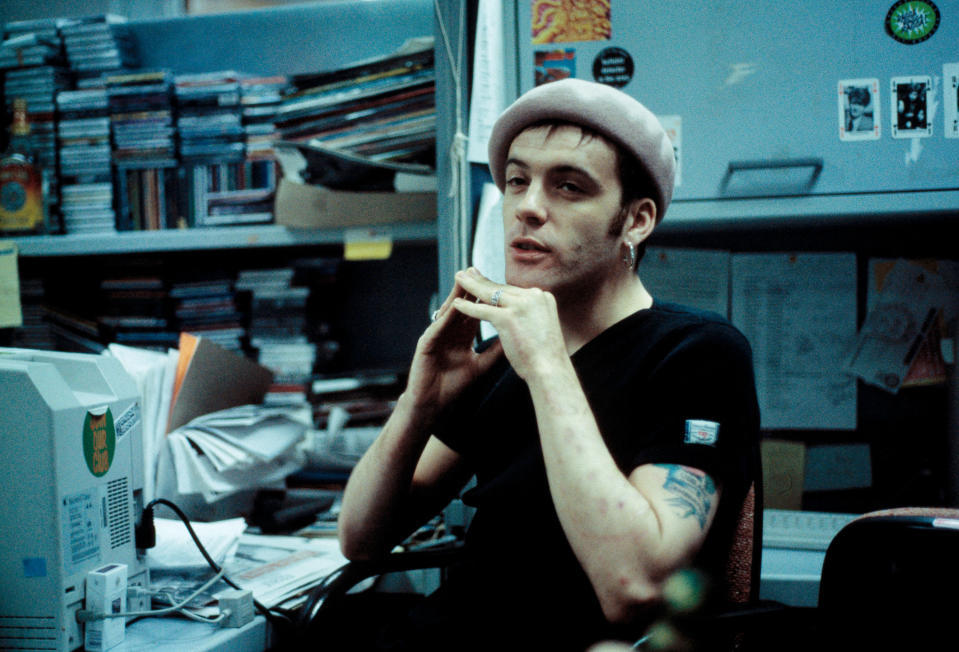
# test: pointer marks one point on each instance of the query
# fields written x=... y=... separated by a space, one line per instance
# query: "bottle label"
x=21 y=198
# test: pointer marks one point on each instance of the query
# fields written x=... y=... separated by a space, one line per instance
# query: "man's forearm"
x=376 y=507
x=610 y=525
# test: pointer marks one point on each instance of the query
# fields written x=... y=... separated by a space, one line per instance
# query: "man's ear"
x=640 y=220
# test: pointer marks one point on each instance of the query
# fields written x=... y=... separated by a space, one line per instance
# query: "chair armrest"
x=349 y=575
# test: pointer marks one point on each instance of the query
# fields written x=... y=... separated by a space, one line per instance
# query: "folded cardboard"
x=210 y=378
x=300 y=205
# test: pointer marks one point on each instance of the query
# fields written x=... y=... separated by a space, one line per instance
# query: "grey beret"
x=602 y=108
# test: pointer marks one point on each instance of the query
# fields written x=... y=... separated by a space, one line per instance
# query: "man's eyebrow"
x=556 y=169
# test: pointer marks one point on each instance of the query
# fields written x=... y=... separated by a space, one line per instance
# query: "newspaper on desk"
x=279 y=570
x=238 y=448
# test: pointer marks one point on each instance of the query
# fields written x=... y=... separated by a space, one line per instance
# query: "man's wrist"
x=419 y=411
x=553 y=373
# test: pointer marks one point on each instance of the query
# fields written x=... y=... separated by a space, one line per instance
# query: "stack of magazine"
x=364 y=117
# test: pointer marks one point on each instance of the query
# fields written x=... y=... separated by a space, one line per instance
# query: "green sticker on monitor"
x=99 y=441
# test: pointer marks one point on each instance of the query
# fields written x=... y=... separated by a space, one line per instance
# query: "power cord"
x=146 y=538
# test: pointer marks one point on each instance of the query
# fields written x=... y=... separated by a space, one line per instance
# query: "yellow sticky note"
x=367 y=244
x=10 y=313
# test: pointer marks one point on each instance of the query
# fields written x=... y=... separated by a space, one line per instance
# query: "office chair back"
x=890 y=580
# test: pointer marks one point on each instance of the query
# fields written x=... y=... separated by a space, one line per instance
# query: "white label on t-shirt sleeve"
x=702 y=432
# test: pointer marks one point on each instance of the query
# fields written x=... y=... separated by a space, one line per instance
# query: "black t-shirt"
x=658 y=382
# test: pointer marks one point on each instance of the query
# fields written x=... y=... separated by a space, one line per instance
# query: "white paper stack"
x=234 y=449
x=153 y=373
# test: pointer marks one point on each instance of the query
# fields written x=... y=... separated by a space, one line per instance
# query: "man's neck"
x=590 y=313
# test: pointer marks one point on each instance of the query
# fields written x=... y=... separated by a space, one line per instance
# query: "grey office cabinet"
x=757 y=96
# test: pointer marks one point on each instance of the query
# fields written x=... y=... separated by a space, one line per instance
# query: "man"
x=608 y=431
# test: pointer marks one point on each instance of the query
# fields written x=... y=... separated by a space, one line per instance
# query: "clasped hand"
x=529 y=335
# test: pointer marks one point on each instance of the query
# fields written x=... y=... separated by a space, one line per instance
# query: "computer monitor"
x=71 y=487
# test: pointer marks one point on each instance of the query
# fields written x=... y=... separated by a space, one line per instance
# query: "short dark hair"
x=859 y=95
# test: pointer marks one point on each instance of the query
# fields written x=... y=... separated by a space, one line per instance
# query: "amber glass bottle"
x=21 y=181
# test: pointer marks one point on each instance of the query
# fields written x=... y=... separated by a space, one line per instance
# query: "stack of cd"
x=207 y=307
x=260 y=99
x=39 y=87
x=208 y=117
x=97 y=44
x=278 y=322
x=28 y=43
x=86 y=197
x=141 y=119
x=84 y=135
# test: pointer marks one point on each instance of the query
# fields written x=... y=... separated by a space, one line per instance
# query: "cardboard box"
x=309 y=207
x=784 y=463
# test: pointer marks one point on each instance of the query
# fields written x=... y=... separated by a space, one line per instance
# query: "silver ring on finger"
x=494 y=300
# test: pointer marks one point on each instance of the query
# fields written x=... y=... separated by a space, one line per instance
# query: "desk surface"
x=182 y=635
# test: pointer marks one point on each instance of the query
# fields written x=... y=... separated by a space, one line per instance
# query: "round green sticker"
x=912 y=21
x=99 y=441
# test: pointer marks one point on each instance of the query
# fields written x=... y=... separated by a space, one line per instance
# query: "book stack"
x=83 y=133
x=97 y=44
x=135 y=311
x=207 y=308
x=278 y=323
x=382 y=110
x=144 y=152
x=208 y=117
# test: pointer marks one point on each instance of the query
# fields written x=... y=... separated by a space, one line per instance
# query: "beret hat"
x=601 y=108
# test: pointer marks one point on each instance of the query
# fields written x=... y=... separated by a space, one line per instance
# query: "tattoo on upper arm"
x=692 y=492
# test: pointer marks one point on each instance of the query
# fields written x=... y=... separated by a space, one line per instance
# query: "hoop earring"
x=630 y=258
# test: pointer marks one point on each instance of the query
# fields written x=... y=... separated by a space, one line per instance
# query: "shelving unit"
x=200 y=238
x=281 y=40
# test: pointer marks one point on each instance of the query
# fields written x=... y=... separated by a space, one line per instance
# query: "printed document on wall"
x=693 y=277
x=799 y=313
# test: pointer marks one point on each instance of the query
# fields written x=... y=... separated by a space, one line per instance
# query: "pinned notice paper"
x=799 y=313
x=899 y=321
x=11 y=314
x=367 y=244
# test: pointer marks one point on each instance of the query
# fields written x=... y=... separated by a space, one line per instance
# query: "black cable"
x=278 y=620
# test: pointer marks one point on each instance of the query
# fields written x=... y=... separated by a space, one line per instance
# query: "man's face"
x=856 y=109
x=562 y=193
